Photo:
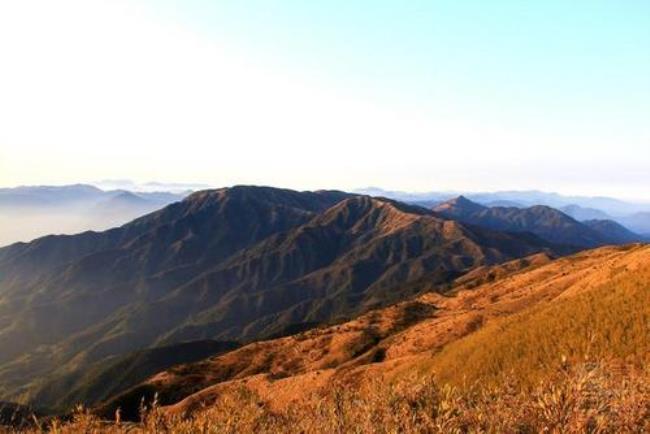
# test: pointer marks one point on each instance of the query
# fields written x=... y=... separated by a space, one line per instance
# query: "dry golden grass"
x=610 y=319
x=501 y=349
x=548 y=309
x=592 y=398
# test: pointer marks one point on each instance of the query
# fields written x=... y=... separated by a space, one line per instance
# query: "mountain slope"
x=233 y=264
x=608 y=317
x=114 y=375
x=593 y=303
x=612 y=232
x=543 y=221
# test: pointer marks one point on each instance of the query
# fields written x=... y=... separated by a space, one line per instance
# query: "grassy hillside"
x=533 y=345
x=581 y=400
x=566 y=301
x=610 y=320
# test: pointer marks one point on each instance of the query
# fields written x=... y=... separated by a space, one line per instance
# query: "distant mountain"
x=582 y=214
x=149 y=187
x=408 y=197
x=610 y=206
x=27 y=213
x=639 y=222
x=459 y=207
x=47 y=196
x=613 y=232
x=125 y=204
x=504 y=204
x=234 y=264
x=543 y=221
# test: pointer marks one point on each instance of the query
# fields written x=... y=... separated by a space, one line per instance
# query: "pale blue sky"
x=417 y=95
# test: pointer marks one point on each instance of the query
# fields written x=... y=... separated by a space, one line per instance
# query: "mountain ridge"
x=544 y=221
x=235 y=264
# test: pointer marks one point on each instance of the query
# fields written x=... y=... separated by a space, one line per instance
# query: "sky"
x=417 y=95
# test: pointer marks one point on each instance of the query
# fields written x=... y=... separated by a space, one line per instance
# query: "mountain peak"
x=458 y=205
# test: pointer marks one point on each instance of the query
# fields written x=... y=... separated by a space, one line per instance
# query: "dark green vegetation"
x=543 y=221
x=235 y=264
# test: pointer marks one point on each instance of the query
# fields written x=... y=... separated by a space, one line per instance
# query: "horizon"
x=464 y=97
x=156 y=186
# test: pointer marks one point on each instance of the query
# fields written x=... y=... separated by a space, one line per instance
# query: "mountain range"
x=520 y=198
x=236 y=264
x=546 y=222
x=88 y=317
x=634 y=216
x=27 y=213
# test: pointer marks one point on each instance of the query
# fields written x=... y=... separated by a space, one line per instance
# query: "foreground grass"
x=594 y=398
x=611 y=320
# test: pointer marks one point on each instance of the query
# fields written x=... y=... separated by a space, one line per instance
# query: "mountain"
x=582 y=214
x=459 y=208
x=638 y=222
x=27 y=213
x=504 y=204
x=610 y=206
x=49 y=196
x=555 y=200
x=235 y=264
x=524 y=319
x=628 y=226
x=149 y=187
x=403 y=196
x=543 y=221
x=613 y=232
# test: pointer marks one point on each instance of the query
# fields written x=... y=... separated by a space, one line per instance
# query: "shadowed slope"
x=593 y=302
x=612 y=231
x=112 y=376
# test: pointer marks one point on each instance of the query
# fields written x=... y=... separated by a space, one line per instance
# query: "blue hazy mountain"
x=29 y=212
x=634 y=216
